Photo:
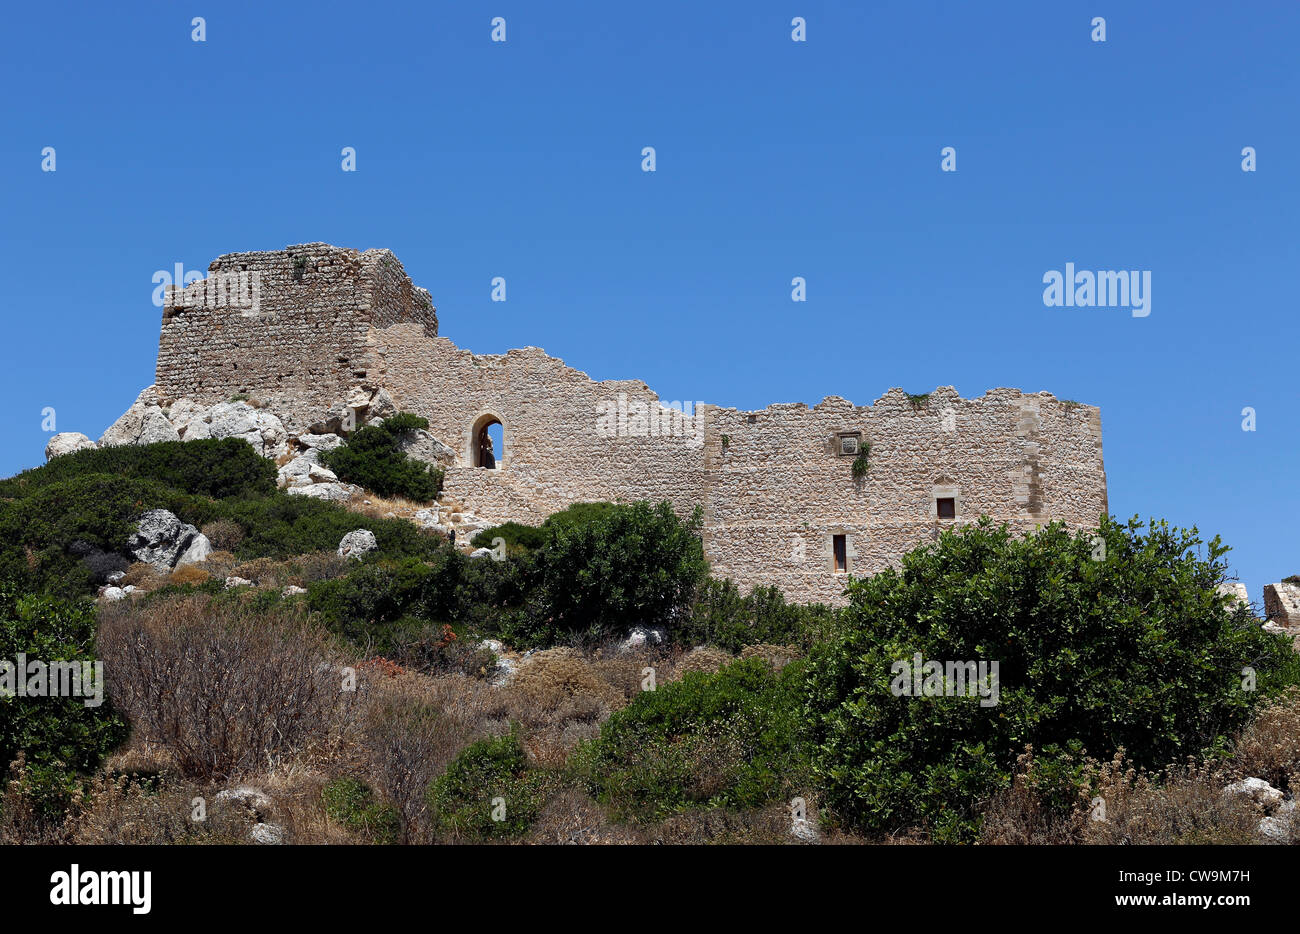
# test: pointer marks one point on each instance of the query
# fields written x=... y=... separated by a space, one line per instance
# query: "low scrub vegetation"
x=373 y=709
x=373 y=458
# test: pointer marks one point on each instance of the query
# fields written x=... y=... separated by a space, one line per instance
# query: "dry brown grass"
x=1269 y=747
x=222 y=688
x=219 y=563
x=224 y=534
x=188 y=574
x=379 y=507
x=705 y=658
x=142 y=575
x=1182 y=805
x=300 y=570
x=1185 y=806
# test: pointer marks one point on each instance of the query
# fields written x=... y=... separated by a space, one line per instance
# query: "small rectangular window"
x=841 y=554
x=947 y=507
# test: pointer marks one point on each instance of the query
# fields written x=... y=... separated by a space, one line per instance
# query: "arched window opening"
x=488 y=443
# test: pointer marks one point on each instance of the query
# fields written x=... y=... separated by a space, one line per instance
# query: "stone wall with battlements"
x=779 y=490
x=776 y=485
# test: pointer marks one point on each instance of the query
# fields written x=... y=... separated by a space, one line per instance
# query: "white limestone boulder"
x=260 y=428
x=197 y=551
x=640 y=637
x=318 y=474
x=1284 y=824
x=267 y=834
x=422 y=446
x=143 y=423
x=65 y=442
x=160 y=539
x=244 y=796
x=357 y=544
x=297 y=472
x=325 y=442
x=381 y=405
x=330 y=492
x=1258 y=790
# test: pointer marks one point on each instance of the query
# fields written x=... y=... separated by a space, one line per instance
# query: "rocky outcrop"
x=357 y=544
x=423 y=446
x=143 y=423
x=65 y=442
x=163 y=541
x=148 y=421
x=263 y=430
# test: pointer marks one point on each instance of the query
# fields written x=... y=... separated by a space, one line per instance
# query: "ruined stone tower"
x=783 y=503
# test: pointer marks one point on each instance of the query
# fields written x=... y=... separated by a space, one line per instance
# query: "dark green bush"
x=721 y=616
x=362 y=604
x=350 y=802
x=60 y=737
x=533 y=537
x=1134 y=650
x=637 y=565
x=490 y=778
x=283 y=525
x=215 y=468
x=373 y=458
x=53 y=537
x=729 y=739
x=516 y=536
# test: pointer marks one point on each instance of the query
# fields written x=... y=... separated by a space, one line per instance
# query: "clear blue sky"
x=775 y=159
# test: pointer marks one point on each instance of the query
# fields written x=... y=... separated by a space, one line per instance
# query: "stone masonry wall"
x=779 y=490
x=774 y=486
x=556 y=451
x=288 y=327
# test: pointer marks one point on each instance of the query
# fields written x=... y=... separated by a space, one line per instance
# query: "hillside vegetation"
x=420 y=695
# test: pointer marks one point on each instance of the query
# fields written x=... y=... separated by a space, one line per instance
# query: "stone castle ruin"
x=336 y=337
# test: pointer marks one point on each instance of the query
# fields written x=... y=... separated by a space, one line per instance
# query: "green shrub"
x=721 y=616
x=364 y=603
x=373 y=458
x=729 y=739
x=59 y=737
x=533 y=537
x=215 y=468
x=1135 y=650
x=489 y=779
x=51 y=539
x=283 y=525
x=350 y=802
x=517 y=536
x=637 y=565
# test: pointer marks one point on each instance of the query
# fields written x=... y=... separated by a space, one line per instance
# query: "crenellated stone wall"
x=775 y=485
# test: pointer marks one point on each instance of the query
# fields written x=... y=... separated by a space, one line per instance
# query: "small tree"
x=633 y=565
x=60 y=737
x=1103 y=640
